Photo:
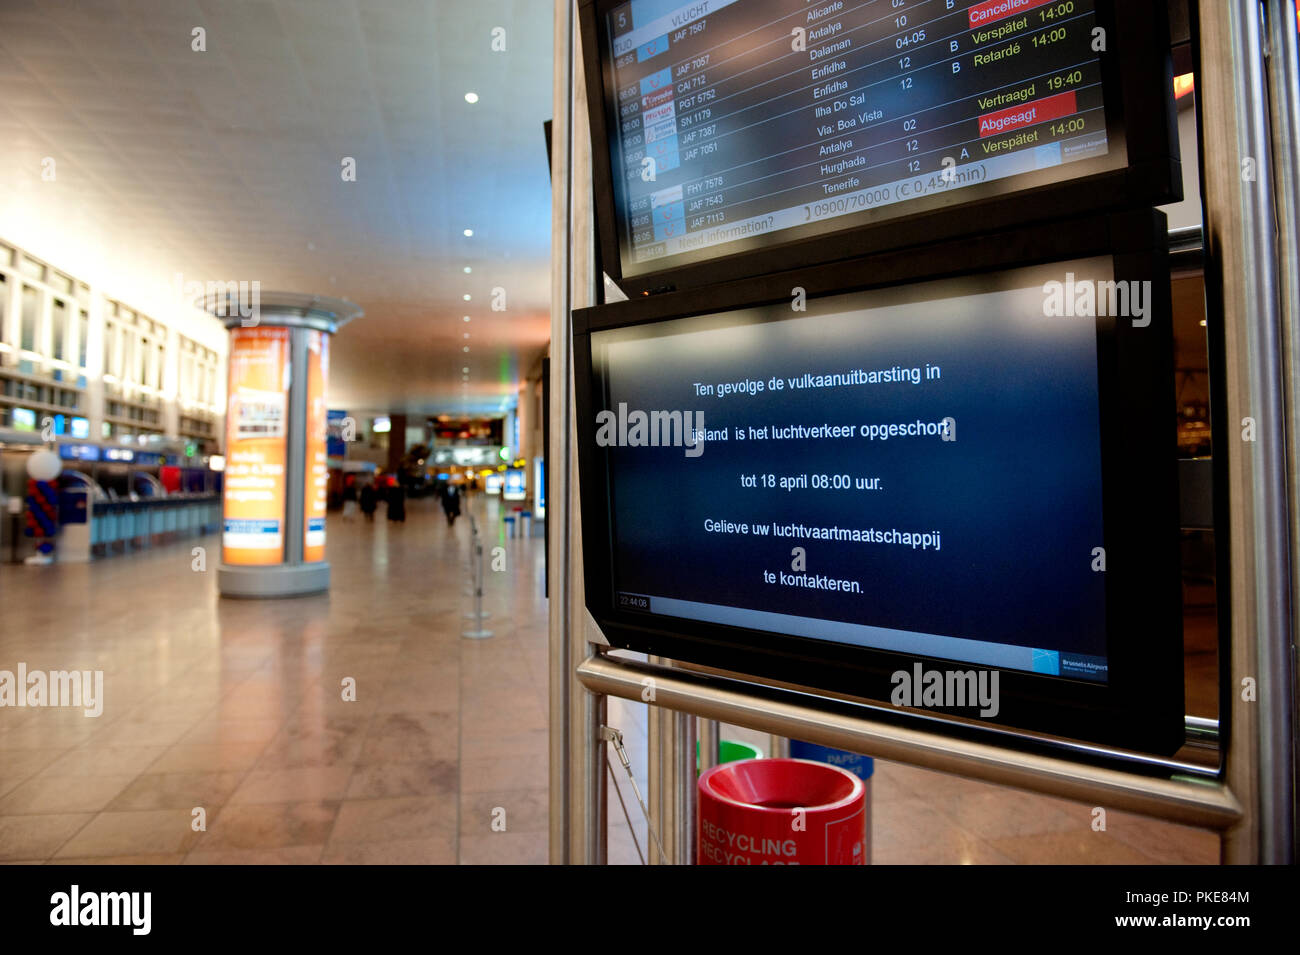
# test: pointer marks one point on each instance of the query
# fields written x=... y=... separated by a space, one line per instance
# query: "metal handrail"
x=1186 y=794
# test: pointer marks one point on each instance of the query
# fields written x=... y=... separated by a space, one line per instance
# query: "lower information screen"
x=913 y=469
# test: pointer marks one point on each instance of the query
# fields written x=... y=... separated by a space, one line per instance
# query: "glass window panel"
x=32 y=268
x=83 y=335
x=60 y=282
x=59 y=331
x=110 y=348
x=31 y=315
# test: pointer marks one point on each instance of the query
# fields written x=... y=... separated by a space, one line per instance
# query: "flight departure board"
x=739 y=124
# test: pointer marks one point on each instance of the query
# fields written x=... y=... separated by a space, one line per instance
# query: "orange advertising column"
x=257 y=421
x=277 y=476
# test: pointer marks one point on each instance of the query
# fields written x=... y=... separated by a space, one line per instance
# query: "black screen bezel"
x=1141 y=705
x=1138 y=90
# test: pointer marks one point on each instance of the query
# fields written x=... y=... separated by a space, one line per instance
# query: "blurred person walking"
x=368 y=501
x=350 y=500
x=397 y=503
x=451 y=503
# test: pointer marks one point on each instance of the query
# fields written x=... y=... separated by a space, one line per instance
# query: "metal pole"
x=478 y=632
x=672 y=783
x=473 y=538
x=709 y=743
x=558 y=454
x=1186 y=794
x=659 y=783
x=295 y=471
x=588 y=784
x=1284 y=88
x=684 y=790
x=577 y=753
x=1242 y=297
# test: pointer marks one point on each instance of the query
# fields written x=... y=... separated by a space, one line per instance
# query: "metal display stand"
x=1250 y=199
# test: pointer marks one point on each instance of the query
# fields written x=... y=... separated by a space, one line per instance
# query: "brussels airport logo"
x=946 y=689
x=228 y=299
x=1085 y=298
x=83 y=688
x=655 y=429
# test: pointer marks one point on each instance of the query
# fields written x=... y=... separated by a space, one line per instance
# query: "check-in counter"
x=122 y=524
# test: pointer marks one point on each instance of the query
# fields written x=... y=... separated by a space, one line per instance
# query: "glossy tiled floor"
x=235 y=708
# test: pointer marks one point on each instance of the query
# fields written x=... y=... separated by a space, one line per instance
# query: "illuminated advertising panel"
x=256 y=430
x=315 y=495
x=539 y=487
x=515 y=487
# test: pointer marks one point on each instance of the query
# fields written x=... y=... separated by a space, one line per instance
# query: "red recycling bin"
x=781 y=812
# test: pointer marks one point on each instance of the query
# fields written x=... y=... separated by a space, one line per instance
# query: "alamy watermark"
x=243 y=299
x=83 y=688
x=949 y=689
x=1085 y=298
x=654 y=429
x=130 y=909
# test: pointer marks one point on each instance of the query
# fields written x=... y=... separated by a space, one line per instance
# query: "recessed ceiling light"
x=467 y=334
x=465 y=296
x=465 y=370
x=468 y=233
x=467 y=318
x=471 y=97
x=466 y=348
x=468 y=270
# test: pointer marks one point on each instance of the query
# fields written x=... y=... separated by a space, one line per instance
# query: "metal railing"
x=1181 y=792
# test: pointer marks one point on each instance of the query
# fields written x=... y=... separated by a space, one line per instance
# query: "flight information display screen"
x=737 y=124
x=916 y=470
